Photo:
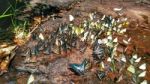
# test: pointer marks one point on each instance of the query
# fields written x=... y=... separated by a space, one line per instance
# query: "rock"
x=62 y=4
x=57 y=69
x=143 y=1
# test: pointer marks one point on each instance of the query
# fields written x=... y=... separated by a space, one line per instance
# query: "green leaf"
x=3 y=16
x=6 y=10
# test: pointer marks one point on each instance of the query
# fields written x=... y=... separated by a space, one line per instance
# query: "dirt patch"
x=54 y=68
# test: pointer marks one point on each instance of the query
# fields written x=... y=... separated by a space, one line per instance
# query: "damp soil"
x=54 y=68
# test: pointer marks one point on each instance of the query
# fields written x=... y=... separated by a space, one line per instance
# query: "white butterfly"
x=138 y=60
x=115 y=40
x=109 y=59
x=143 y=66
x=71 y=18
x=142 y=74
x=30 y=79
x=131 y=69
x=144 y=82
x=41 y=36
x=135 y=56
x=123 y=58
x=117 y=9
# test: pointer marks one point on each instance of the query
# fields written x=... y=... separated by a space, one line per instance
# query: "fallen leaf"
x=111 y=75
x=4 y=65
x=20 y=35
x=6 y=51
x=19 y=41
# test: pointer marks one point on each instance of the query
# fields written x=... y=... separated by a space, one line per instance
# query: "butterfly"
x=98 y=51
x=47 y=51
x=27 y=53
x=80 y=68
x=40 y=45
x=101 y=74
x=108 y=21
x=34 y=50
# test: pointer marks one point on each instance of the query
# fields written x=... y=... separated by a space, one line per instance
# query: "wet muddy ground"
x=54 y=69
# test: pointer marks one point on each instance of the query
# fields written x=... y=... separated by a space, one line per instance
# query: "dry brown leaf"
x=6 y=51
x=19 y=41
x=4 y=65
x=111 y=75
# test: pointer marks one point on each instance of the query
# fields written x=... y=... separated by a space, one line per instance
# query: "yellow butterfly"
x=78 y=30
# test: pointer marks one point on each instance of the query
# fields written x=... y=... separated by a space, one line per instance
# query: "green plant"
x=16 y=26
x=4 y=14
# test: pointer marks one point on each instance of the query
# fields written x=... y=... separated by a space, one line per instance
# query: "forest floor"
x=54 y=68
